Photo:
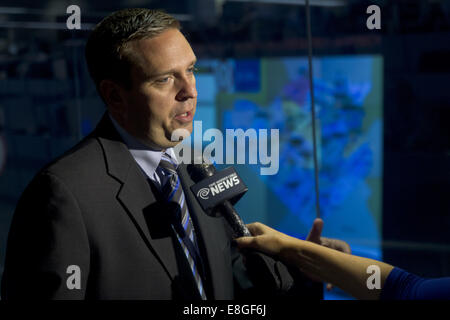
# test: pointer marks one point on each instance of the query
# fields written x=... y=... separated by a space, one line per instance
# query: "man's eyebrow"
x=154 y=75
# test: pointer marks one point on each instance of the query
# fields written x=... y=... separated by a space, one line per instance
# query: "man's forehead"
x=170 y=49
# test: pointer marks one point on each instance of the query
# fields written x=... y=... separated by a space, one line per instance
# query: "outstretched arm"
x=318 y=262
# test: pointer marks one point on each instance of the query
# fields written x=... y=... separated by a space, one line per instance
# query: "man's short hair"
x=107 y=53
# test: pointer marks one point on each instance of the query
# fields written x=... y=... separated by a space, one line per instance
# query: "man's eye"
x=162 y=80
x=192 y=70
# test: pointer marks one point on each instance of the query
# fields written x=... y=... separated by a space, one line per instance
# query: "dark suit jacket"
x=94 y=208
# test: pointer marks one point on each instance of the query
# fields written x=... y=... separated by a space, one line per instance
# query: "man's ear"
x=112 y=94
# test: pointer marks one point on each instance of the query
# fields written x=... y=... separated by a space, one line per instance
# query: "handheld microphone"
x=217 y=192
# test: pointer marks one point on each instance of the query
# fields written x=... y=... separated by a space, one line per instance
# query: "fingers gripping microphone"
x=217 y=192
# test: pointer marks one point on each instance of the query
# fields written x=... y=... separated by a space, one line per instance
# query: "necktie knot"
x=168 y=176
x=168 y=163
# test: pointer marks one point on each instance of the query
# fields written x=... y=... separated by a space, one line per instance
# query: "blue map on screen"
x=274 y=93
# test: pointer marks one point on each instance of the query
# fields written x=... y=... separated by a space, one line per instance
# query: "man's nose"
x=187 y=89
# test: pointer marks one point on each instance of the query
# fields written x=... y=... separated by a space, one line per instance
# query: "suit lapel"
x=136 y=196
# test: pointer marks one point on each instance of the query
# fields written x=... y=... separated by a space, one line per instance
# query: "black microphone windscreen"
x=200 y=171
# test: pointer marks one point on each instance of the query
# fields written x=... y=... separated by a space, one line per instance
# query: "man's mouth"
x=185 y=117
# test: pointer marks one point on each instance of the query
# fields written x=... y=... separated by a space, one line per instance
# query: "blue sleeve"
x=402 y=285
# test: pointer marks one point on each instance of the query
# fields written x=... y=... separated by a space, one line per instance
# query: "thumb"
x=316 y=231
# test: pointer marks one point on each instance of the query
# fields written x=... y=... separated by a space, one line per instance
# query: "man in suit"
x=100 y=222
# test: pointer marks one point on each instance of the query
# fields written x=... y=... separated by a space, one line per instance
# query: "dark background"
x=45 y=92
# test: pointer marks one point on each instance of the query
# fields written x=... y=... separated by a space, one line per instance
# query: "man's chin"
x=172 y=144
x=185 y=126
x=180 y=133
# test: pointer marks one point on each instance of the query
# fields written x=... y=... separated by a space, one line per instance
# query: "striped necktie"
x=180 y=218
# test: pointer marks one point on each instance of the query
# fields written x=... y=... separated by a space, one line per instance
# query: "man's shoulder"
x=82 y=160
x=87 y=159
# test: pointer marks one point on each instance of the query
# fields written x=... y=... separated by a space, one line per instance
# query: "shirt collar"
x=146 y=158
